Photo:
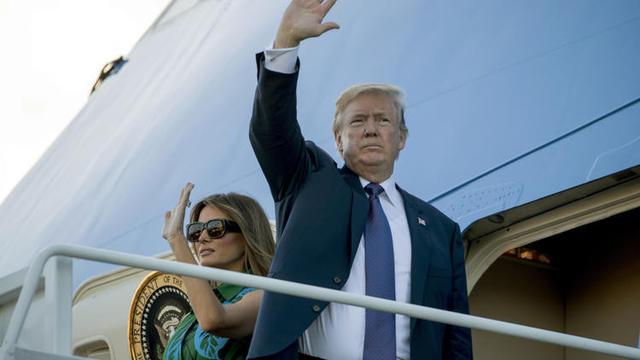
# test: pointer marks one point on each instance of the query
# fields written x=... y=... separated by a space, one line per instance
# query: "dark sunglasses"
x=216 y=229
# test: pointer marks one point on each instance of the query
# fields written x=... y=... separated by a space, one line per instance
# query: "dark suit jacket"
x=321 y=212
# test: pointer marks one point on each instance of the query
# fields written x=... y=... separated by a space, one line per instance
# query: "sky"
x=51 y=52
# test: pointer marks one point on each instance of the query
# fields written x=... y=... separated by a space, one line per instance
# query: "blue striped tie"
x=380 y=327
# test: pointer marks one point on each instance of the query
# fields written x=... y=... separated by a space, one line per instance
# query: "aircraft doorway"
x=584 y=281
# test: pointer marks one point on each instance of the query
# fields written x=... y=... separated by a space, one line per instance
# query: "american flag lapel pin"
x=421 y=221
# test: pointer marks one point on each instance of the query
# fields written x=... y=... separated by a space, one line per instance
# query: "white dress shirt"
x=338 y=332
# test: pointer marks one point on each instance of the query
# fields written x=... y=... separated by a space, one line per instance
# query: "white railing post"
x=29 y=288
x=58 y=293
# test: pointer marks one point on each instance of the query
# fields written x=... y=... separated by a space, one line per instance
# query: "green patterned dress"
x=190 y=342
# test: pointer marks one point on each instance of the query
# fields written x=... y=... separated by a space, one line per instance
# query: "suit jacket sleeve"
x=274 y=131
x=457 y=341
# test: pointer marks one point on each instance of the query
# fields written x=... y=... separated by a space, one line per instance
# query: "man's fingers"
x=328 y=26
x=326 y=6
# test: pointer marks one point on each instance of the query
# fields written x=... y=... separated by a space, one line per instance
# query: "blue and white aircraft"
x=524 y=127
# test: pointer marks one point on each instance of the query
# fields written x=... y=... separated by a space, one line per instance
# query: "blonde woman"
x=230 y=232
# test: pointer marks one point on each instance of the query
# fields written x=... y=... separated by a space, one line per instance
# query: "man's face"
x=369 y=137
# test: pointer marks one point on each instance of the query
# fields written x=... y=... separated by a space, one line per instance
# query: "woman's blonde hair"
x=253 y=222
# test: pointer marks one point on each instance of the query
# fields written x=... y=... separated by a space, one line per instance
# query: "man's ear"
x=338 y=139
x=403 y=140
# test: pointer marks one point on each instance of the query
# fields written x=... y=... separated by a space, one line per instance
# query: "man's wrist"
x=285 y=43
x=284 y=39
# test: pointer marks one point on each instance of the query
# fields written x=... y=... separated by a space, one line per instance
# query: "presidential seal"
x=159 y=303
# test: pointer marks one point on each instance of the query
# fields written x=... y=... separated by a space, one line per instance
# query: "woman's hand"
x=174 y=219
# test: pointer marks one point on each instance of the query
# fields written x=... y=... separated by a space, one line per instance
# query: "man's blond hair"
x=392 y=92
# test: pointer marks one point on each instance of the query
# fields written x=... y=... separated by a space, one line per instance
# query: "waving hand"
x=174 y=219
x=303 y=20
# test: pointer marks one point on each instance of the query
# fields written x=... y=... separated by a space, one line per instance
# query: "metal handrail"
x=294 y=289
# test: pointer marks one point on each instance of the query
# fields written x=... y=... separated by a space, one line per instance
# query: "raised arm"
x=274 y=132
x=229 y=320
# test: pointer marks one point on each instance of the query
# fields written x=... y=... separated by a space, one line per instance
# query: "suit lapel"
x=420 y=242
x=359 y=208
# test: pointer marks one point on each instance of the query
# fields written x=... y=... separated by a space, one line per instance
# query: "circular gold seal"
x=159 y=303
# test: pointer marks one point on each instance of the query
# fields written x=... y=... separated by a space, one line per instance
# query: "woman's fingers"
x=186 y=192
x=184 y=196
x=174 y=219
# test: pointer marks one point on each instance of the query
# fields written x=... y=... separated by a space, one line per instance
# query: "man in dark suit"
x=349 y=228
